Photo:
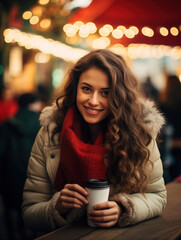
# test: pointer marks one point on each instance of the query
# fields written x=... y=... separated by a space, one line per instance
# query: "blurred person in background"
x=99 y=127
x=170 y=104
x=149 y=90
x=16 y=140
x=8 y=104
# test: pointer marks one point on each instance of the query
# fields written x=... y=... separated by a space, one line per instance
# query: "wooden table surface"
x=165 y=227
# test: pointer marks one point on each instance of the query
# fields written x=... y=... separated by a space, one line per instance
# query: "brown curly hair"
x=127 y=157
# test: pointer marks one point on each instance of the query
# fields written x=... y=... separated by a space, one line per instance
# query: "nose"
x=94 y=99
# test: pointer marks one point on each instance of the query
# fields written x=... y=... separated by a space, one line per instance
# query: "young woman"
x=100 y=127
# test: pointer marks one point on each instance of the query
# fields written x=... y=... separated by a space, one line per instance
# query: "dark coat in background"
x=17 y=135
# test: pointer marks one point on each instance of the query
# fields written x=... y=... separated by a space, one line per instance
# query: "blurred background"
x=41 y=39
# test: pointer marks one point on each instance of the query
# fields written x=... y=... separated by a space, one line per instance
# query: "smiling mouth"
x=91 y=110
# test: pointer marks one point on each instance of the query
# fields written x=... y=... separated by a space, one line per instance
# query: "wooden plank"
x=165 y=227
x=68 y=233
x=157 y=230
x=105 y=234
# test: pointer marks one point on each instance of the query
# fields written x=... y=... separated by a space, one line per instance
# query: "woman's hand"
x=105 y=214
x=71 y=196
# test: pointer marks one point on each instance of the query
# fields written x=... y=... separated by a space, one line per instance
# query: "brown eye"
x=105 y=93
x=86 y=89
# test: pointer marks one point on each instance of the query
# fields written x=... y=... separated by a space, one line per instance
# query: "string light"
x=43 y=2
x=174 y=31
x=37 y=11
x=63 y=51
x=102 y=42
x=78 y=24
x=104 y=31
x=47 y=46
x=147 y=31
x=84 y=31
x=122 y=28
x=163 y=31
x=92 y=27
x=91 y=38
x=73 y=40
x=66 y=27
x=180 y=77
x=27 y=15
x=45 y=23
x=71 y=31
x=55 y=10
x=134 y=29
x=42 y=58
x=175 y=52
x=109 y=27
x=116 y=33
x=34 y=20
x=129 y=33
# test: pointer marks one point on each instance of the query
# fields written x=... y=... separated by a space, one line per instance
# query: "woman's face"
x=92 y=95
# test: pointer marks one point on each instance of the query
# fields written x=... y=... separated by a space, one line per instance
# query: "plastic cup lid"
x=97 y=183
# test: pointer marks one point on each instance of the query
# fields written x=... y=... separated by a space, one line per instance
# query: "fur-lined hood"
x=152 y=118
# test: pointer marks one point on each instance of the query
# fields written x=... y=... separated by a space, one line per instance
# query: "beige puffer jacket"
x=39 y=202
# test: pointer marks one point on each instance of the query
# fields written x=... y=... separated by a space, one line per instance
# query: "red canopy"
x=139 y=13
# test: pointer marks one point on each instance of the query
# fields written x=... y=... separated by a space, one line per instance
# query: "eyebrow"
x=91 y=86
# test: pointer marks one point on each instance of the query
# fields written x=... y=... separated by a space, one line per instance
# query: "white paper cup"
x=98 y=192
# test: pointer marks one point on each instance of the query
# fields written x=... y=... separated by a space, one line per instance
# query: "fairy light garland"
x=68 y=53
x=82 y=30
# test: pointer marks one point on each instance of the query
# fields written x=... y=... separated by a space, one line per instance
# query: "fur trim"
x=153 y=120
x=127 y=206
x=73 y=216
x=76 y=214
x=58 y=219
x=48 y=115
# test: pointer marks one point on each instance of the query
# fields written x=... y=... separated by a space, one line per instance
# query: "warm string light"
x=107 y=31
x=45 y=23
x=60 y=50
x=180 y=78
x=27 y=15
x=34 y=20
x=43 y=2
x=42 y=14
x=47 y=46
x=174 y=31
x=164 y=31
x=83 y=30
x=148 y=32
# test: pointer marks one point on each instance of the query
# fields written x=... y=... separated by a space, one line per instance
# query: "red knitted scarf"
x=79 y=160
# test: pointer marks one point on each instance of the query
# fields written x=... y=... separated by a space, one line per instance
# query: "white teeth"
x=92 y=110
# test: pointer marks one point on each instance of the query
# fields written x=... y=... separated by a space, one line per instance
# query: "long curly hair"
x=126 y=141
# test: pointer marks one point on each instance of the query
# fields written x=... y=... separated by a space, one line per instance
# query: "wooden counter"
x=165 y=227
